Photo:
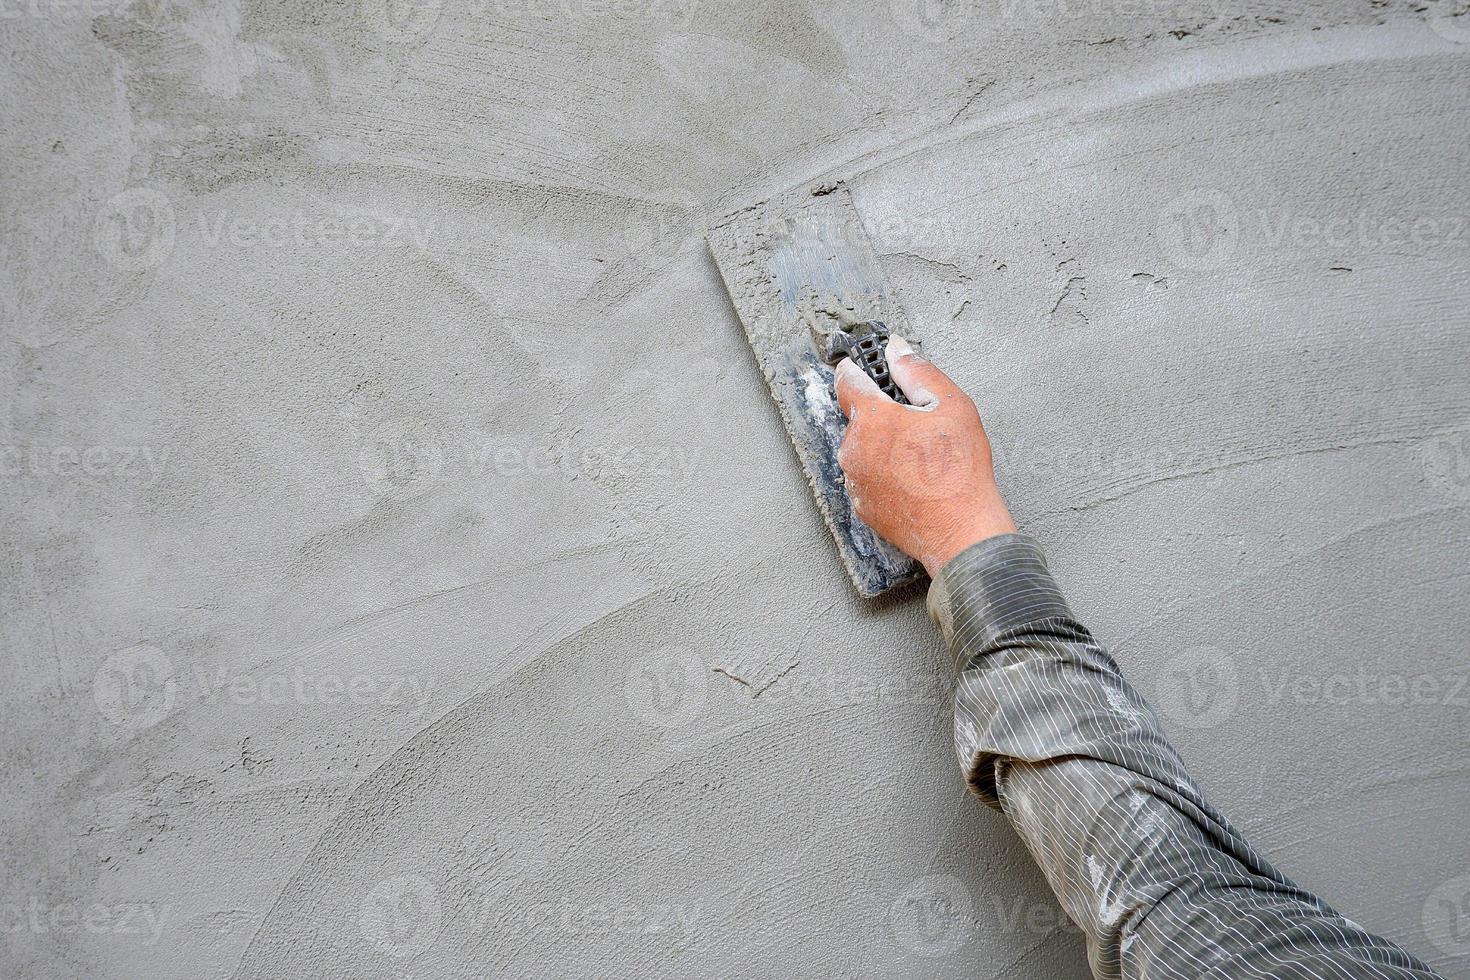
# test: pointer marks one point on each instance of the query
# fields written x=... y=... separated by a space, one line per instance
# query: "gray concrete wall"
x=405 y=573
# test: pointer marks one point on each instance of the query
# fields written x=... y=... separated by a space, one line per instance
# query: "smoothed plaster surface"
x=405 y=573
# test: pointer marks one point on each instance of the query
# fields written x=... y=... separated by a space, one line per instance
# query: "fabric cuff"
x=993 y=586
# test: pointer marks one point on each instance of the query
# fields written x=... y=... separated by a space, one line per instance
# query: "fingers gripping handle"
x=865 y=343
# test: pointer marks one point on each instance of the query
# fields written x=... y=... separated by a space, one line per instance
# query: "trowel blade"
x=793 y=265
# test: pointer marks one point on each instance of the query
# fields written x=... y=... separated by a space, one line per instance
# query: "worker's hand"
x=920 y=474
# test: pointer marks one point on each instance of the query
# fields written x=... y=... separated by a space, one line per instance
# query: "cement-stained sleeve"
x=1048 y=731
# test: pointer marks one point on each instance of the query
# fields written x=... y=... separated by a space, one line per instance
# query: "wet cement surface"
x=406 y=573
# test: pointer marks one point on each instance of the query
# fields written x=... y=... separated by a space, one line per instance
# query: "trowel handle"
x=865 y=344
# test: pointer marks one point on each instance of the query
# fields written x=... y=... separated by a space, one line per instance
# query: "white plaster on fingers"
x=901 y=358
x=854 y=388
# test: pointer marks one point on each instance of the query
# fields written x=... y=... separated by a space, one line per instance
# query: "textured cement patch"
x=405 y=573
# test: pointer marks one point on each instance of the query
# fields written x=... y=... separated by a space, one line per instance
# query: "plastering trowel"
x=809 y=290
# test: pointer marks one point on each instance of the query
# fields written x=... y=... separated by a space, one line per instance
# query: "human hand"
x=921 y=474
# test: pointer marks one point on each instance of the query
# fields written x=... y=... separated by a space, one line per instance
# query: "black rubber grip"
x=865 y=344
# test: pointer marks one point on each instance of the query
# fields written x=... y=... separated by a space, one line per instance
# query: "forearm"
x=1048 y=731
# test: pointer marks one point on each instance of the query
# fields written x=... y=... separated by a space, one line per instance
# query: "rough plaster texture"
x=405 y=573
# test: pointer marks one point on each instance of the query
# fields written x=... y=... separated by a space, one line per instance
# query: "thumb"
x=923 y=383
x=856 y=391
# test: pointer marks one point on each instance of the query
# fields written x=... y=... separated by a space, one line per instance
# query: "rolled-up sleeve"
x=1049 y=732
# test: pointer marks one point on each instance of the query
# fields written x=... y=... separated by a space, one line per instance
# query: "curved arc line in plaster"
x=1275 y=54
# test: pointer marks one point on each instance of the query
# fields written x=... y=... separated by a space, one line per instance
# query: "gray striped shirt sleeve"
x=1049 y=732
